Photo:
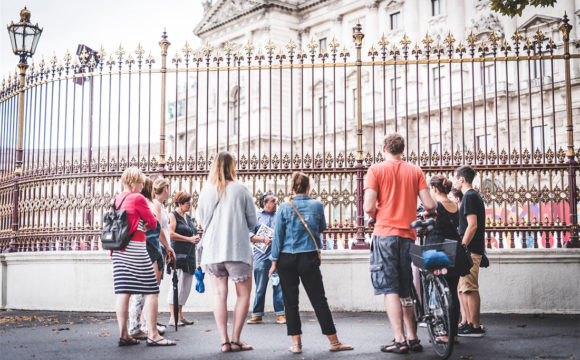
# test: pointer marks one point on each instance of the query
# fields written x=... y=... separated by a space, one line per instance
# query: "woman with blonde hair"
x=227 y=213
x=133 y=272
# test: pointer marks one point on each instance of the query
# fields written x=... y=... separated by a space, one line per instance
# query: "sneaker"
x=462 y=327
x=255 y=320
x=281 y=319
x=470 y=331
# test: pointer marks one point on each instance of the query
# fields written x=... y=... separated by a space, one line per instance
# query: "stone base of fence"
x=517 y=281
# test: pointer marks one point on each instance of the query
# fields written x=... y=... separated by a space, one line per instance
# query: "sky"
x=67 y=23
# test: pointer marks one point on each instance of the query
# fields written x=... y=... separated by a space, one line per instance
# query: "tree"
x=512 y=8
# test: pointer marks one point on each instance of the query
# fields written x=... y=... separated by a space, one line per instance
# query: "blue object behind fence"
x=199 y=275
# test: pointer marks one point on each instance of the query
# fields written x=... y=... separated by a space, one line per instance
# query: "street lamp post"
x=24 y=38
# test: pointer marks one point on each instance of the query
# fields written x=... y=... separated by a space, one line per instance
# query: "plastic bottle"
x=275 y=279
x=433 y=297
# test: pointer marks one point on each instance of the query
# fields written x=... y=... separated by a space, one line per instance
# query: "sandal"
x=415 y=345
x=128 y=341
x=241 y=346
x=338 y=346
x=228 y=347
x=160 y=342
x=295 y=349
x=396 y=347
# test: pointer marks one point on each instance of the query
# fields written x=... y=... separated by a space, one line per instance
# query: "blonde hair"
x=132 y=176
x=159 y=184
x=222 y=170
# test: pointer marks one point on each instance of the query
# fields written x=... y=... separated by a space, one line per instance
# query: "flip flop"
x=228 y=347
x=151 y=342
x=128 y=341
x=241 y=346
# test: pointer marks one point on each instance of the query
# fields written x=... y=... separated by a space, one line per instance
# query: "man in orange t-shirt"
x=391 y=190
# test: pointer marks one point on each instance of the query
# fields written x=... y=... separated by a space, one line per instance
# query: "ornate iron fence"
x=69 y=128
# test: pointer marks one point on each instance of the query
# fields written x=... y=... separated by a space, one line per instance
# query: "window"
x=395 y=20
x=438 y=81
x=435 y=7
x=235 y=101
x=537 y=136
x=322 y=111
x=395 y=90
x=481 y=142
x=435 y=148
x=321 y=44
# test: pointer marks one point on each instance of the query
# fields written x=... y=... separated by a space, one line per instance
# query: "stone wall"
x=518 y=281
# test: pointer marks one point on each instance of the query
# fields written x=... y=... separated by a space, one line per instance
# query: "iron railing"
x=502 y=105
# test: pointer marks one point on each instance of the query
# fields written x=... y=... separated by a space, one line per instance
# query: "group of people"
x=391 y=191
x=287 y=255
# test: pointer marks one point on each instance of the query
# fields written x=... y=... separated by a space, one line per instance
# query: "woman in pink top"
x=132 y=268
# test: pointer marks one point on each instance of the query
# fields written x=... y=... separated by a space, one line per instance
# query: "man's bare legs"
x=473 y=303
x=465 y=316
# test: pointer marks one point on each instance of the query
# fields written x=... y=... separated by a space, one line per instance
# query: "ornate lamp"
x=24 y=36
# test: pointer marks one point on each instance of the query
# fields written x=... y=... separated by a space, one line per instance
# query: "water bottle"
x=433 y=297
x=275 y=279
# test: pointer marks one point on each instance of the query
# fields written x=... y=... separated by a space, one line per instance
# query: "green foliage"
x=515 y=7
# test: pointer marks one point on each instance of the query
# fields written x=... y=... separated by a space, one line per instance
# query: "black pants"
x=452 y=282
x=305 y=267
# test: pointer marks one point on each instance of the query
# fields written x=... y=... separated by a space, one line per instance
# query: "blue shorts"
x=390 y=265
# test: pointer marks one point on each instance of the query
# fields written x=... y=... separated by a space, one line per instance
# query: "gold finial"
x=270 y=47
x=493 y=39
x=383 y=43
x=53 y=60
x=249 y=48
x=471 y=40
x=176 y=58
x=449 y=40
x=505 y=46
x=130 y=60
x=460 y=49
x=344 y=52
x=333 y=45
x=291 y=46
x=102 y=52
x=427 y=41
x=139 y=51
x=67 y=58
x=120 y=52
x=218 y=57
x=150 y=60
x=516 y=37
x=405 y=41
x=207 y=50
x=372 y=51
x=312 y=45
x=84 y=55
x=228 y=48
x=539 y=37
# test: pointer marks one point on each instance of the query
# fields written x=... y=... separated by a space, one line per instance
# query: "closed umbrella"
x=175 y=294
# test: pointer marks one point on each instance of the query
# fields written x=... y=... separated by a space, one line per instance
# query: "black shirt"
x=472 y=204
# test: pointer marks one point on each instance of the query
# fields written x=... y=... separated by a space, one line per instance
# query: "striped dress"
x=132 y=268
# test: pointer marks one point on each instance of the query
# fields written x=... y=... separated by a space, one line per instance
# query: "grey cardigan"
x=226 y=238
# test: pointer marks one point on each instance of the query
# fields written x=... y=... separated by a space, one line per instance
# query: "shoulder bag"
x=307 y=228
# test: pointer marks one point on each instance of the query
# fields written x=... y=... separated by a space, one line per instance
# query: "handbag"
x=463 y=260
x=115 y=235
x=484 y=260
x=307 y=228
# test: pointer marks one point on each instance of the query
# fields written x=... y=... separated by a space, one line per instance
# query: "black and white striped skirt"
x=133 y=271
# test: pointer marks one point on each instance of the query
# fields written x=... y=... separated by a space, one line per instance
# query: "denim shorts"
x=390 y=265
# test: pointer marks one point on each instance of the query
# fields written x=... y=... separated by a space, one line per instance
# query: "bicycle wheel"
x=438 y=306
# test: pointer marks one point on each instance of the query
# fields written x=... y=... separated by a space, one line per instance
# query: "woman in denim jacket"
x=295 y=258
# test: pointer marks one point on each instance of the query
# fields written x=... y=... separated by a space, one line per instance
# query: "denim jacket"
x=291 y=236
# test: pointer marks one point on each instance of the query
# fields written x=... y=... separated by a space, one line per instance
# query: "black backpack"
x=115 y=228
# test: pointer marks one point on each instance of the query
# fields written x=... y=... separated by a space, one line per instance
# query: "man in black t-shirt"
x=472 y=233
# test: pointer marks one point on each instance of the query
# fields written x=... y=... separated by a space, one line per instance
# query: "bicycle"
x=435 y=306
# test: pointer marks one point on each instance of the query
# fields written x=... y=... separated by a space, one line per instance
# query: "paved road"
x=60 y=335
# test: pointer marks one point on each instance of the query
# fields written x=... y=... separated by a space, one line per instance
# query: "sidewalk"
x=61 y=335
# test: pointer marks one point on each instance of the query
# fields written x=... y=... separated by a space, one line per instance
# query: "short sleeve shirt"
x=472 y=204
x=397 y=184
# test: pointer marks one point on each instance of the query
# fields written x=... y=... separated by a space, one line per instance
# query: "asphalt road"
x=62 y=335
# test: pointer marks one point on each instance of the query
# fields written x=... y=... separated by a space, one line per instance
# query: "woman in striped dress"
x=133 y=271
